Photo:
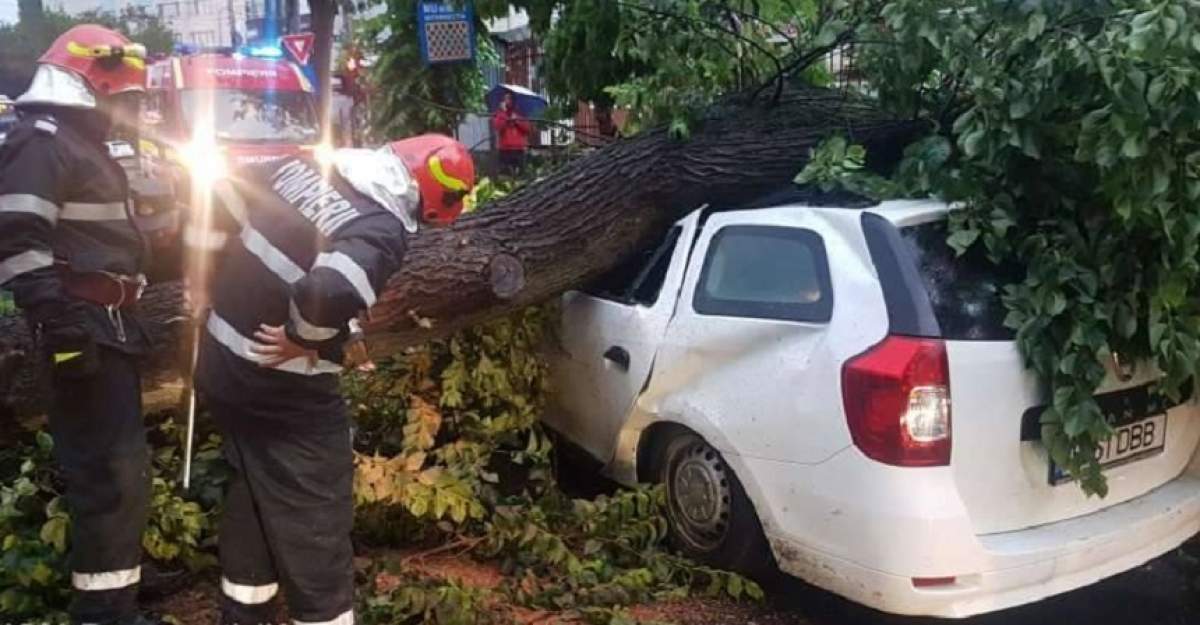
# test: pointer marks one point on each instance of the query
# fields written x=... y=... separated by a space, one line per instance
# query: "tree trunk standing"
x=568 y=228
x=323 y=13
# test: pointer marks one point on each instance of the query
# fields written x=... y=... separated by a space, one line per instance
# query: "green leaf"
x=1058 y=304
x=1154 y=92
x=1133 y=147
x=972 y=142
x=1020 y=107
x=42 y=574
x=734 y=586
x=962 y=240
x=54 y=533
x=829 y=33
x=1170 y=28
x=1036 y=26
x=1162 y=180
x=679 y=128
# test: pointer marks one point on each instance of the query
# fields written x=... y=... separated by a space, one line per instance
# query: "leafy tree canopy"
x=663 y=61
x=1068 y=131
x=666 y=61
x=22 y=43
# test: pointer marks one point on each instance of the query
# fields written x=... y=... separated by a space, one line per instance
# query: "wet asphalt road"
x=1165 y=591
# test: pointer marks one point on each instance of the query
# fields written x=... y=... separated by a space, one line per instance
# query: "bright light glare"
x=204 y=161
x=323 y=152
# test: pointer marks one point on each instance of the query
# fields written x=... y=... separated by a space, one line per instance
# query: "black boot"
x=233 y=613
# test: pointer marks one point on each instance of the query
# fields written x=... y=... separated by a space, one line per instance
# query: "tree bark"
x=571 y=227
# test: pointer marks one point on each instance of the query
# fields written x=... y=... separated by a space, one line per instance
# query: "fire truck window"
x=250 y=116
x=152 y=108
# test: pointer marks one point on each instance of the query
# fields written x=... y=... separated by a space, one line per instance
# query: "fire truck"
x=209 y=112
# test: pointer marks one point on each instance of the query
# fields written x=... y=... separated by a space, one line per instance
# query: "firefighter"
x=291 y=253
x=72 y=257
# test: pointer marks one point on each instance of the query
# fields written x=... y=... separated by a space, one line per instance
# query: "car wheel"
x=711 y=518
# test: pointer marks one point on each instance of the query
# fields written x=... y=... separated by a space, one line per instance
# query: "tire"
x=710 y=517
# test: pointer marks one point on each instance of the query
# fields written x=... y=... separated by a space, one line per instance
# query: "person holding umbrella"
x=512 y=132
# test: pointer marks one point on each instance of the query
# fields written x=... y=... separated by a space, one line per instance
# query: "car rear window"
x=964 y=291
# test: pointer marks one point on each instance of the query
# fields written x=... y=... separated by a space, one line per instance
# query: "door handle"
x=619 y=356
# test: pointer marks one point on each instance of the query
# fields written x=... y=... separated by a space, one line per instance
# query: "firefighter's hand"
x=275 y=348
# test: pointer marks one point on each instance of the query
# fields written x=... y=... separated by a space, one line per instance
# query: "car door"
x=608 y=338
x=747 y=359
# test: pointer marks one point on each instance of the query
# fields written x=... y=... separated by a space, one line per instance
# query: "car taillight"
x=897 y=400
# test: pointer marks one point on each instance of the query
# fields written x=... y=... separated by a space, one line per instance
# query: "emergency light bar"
x=264 y=51
x=259 y=50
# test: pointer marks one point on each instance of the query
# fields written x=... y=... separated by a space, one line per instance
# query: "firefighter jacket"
x=293 y=244
x=64 y=207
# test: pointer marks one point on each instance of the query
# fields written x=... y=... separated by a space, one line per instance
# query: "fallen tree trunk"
x=593 y=213
x=577 y=223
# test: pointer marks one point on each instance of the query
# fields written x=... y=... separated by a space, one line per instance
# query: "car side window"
x=639 y=279
x=765 y=272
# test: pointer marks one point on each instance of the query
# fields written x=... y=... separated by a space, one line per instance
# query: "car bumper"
x=1018 y=567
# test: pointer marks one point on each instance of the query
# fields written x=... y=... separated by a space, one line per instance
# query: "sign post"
x=446 y=33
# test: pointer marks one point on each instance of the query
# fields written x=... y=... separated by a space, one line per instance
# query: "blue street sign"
x=446 y=32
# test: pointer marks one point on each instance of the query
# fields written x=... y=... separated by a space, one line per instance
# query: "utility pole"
x=291 y=11
x=233 y=33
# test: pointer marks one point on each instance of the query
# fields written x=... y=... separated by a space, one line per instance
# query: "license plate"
x=1130 y=442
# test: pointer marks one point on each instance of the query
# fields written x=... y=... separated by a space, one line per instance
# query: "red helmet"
x=105 y=59
x=444 y=172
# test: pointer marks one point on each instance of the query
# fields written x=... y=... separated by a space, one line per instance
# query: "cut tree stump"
x=566 y=229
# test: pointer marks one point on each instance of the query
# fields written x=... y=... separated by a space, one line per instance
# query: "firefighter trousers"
x=287 y=517
x=100 y=445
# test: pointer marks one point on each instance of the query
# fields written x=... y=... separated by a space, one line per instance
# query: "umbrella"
x=527 y=103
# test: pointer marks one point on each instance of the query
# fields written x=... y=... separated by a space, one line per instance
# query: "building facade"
x=205 y=22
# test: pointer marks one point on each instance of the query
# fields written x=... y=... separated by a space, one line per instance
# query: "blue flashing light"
x=267 y=52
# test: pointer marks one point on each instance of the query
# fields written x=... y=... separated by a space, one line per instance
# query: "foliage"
x=666 y=61
x=33 y=532
x=441 y=422
x=579 y=36
x=8 y=308
x=577 y=557
x=22 y=43
x=35 y=526
x=1069 y=137
x=408 y=96
x=458 y=458
x=663 y=60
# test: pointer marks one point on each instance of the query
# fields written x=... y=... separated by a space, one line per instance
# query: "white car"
x=833 y=388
